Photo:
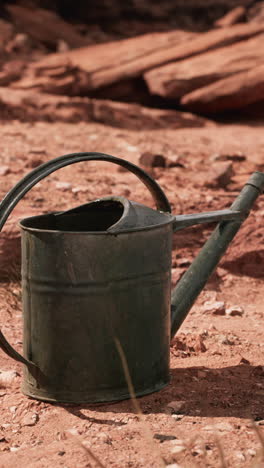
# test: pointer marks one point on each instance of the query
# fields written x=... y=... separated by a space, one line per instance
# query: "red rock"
x=97 y=66
x=177 y=79
x=44 y=25
x=233 y=16
x=152 y=160
x=216 y=307
x=4 y=170
x=32 y=106
x=234 y=92
x=235 y=311
x=219 y=175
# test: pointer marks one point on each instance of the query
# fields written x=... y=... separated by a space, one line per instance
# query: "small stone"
x=216 y=307
x=4 y=170
x=30 y=419
x=73 y=431
x=178 y=449
x=251 y=452
x=152 y=160
x=14 y=449
x=240 y=456
x=7 y=377
x=173 y=465
x=220 y=175
x=175 y=406
x=164 y=437
x=235 y=310
x=175 y=161
x=13 y=409
x=61 y=453
x=224 y=339
x=80 y=188
x=201 y=374
x=197 y=451
x=177 y=417
x=63 y=185
x=105 y=438
x=131 y=148
x=244 y=361
x=35 y=162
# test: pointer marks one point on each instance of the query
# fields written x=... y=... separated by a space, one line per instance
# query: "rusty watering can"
x=98 y=275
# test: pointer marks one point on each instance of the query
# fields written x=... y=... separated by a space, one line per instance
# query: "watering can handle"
x=21 y=188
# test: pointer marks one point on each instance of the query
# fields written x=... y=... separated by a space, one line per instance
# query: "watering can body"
x=83 y=291
x=97 y=304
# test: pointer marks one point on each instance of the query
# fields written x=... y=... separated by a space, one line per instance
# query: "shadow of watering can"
x=101 y=273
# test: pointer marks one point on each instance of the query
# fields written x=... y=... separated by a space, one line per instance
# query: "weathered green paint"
x=101 y=272
x=80 y=292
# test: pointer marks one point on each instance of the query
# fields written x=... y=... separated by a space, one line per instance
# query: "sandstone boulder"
x=179 y=78
x=88 y=68
x=235 y=92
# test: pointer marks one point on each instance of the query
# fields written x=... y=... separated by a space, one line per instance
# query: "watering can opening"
x=108 y=215
x=99 y=215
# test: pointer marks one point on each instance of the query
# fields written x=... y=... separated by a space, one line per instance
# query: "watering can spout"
x=195 y=278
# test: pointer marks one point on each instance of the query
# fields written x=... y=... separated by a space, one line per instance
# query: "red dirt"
x=217 y=369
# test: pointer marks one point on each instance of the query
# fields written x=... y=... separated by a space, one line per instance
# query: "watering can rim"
x=168 y=218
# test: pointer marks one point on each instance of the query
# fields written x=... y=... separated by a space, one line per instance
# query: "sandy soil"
x=212 y=412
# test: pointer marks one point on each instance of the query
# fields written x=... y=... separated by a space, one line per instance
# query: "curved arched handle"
x=42 y=171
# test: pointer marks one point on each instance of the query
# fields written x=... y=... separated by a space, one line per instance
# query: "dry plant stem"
x=261 y=439
x=221 y=452
x=93 y=457
x=134 y=400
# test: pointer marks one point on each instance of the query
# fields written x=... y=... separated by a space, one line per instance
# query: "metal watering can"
x=101 y=273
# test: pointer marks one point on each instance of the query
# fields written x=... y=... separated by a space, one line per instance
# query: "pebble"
x=178 y=449
x=63 y=185
x=216 y=307
x=177 y=417
x=220 y=175
x=235 y=310
x=240 y=456
x=7 y=377
x=4 y=170
x=176 y=405
x=173 y=465
x=224 y=339
x=251 y=452
x=131 y=148
x=30 y=419
x=13 y=409
x=73 y=431
x=80 y=188
x=152 y=160
x=164 y=437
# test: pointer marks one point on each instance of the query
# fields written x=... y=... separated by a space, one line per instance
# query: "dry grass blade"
x=221 y=452
x=260 y=437
x=93 y=456
x=135 y=403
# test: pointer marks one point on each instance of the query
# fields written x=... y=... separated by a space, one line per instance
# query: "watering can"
x=96 y=283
